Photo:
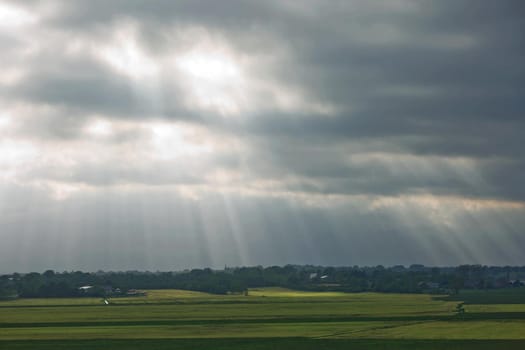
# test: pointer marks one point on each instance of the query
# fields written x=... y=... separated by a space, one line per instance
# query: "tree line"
x=397 y=279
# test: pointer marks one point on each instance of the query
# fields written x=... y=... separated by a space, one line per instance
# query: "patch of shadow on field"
x=458 y=318
x=117 y=303
x=264 y=344
x=483 y=297
x=357 y=331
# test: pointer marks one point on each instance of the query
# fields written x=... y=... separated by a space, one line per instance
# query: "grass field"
x=268 y=318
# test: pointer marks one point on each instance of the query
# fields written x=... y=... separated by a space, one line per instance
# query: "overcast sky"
x=165 y=135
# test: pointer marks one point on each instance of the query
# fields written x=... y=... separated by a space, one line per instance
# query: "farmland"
x=266 y=318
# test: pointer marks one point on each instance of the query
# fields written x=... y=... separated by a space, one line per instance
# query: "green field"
x=268 y=318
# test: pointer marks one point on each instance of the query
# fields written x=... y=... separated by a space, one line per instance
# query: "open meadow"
x=266 y=318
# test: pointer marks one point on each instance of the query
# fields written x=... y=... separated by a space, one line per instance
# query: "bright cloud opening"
x=14 y=157
x=5 y=121
x=99 y=128
x=212 y=68
x=14 y=17
x=125 y=55
x=215 y=80
x=173 y=141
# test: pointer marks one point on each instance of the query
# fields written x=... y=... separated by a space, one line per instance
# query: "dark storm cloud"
x=236 y=12
x=86 y=87
x=450 y=71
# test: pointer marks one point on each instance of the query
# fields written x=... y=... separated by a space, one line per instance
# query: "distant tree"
x=49 y=273
x=457 y=283
x=460 y=310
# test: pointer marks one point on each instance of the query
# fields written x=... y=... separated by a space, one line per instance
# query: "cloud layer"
x=165 y=135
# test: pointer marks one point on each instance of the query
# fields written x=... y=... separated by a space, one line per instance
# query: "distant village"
x=109 y=291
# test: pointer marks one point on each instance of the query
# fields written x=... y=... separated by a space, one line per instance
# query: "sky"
x=164 y=135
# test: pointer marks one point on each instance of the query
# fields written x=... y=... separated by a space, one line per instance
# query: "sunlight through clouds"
x=124 y=54
x=99 y=128
x=5 y=122
x=214 y=80
x=14 y=17
x=173 y=141
x=16 y=158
